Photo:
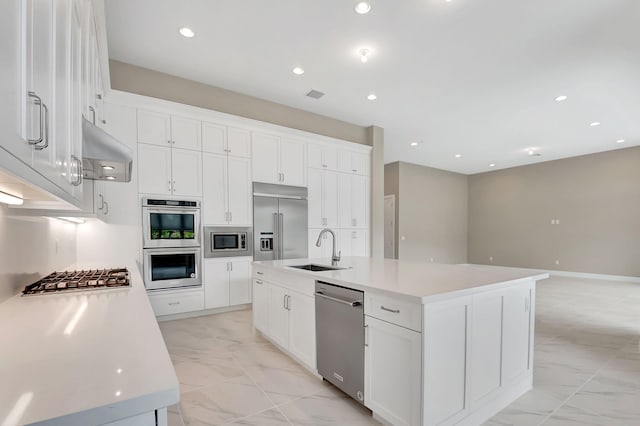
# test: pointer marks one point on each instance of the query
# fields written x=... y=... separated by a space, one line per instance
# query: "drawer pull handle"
x=258 y=282
x=394 y=311
x=173 y=303
x=259 y=273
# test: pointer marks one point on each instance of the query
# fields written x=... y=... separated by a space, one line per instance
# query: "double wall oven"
x=171 y=240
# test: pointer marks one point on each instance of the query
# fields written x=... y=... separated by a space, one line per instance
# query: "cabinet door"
x=345 y=218
x=154 y=169
x=359 y=201
x=392 y=377
x=266 y=161
x=486 y=336
x=261 y=295
x=214 y=138
x=302 y=328
x=314 y=198
x=186 y=133
x=74 y=141
x=446 y=340
x=360 y=163
x=345 y=242
x=63 y=111
x=292 y=162
x=516 y=332
x=330 y=158
x=238 y=142
x=216 y=284
x=186 y=170
x=154 y=128
x=240 y=195
x=239 y=282
x=214 y=190
x=278 y=316
x=330 y=198
x=359 y=244
x=314 y=156
x=40 y=73
x=314 y=251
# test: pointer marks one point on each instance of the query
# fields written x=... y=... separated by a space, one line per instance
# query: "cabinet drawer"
x=167 y=304
x=399 y=312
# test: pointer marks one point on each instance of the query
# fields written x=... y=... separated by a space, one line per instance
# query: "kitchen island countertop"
x=83 y=358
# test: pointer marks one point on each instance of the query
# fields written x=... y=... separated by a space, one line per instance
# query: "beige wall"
x=595 y=197
x=143 y=81
x=431 y=208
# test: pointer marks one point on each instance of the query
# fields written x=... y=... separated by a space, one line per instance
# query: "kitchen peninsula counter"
x=84 y=358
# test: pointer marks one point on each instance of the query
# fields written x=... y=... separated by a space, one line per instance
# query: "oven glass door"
x=225 y=241
x=172 y=268
x=164 y=228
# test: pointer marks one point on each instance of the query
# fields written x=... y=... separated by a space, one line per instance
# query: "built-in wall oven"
x=220 y=241
x=166 y=268
x=170 y=223
x=171 y=243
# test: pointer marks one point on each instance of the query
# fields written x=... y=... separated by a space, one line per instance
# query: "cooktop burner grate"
x=92 y=279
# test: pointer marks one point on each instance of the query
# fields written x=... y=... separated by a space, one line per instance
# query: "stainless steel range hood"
x=103 y=156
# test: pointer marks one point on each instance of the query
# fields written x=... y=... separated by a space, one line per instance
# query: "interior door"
x=293 y=228
x=265 y=210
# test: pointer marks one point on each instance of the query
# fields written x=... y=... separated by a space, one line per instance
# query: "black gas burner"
x=92 y=279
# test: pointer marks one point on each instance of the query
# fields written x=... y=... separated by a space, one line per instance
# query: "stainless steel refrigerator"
x=279 y=222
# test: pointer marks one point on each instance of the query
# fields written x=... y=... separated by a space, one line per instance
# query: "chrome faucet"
x=334 y=258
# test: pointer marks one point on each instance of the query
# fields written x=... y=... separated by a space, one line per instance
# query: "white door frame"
x=390 y=233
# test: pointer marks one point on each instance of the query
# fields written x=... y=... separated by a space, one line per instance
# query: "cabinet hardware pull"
x=93 y=116
x=354 y=170
x=78 y=163
x=258 y=282
x=230 y=217
x=288 y=302
x=366 y=335
x=173 y=303
x=394 y=311
x=104 y=121
x=284 y=301
x=46 y=129
x=101 y=201
x=231 y=266
x=38 y=101
x=259 y=273
x=174 y=186
x=98 y=96
x=106 y=205
x=169 y=186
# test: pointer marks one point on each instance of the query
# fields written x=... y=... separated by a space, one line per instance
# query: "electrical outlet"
x=402 y=238
x=431 y=259
x=557 y=262
x=557 y=221
x=490 y=258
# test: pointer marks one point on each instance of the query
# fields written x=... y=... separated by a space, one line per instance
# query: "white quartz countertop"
x=82 y=358
x=418 y=281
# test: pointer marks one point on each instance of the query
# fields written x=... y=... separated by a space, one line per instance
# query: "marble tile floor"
x=586 y=367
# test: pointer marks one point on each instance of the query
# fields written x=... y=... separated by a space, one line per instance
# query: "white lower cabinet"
x=288 y=318
x=227 y=282
x=393 y=372
x=176 y=302
x=516 y=333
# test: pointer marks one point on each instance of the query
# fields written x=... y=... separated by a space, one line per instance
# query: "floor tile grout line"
x=607 y=362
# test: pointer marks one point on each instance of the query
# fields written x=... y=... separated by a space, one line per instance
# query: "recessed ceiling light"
x=298 y=71
x=187 y=32
x=492 y=165
x=108 y=167
x=372 y=97
x=363 y=7
x=594 y=124
x=458 y=155
x=561 y=98
x=414 y=143
x=620 y=141
x=364 y=54
x=111 y=177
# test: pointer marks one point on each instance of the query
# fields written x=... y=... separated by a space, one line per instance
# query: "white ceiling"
x=470 y=77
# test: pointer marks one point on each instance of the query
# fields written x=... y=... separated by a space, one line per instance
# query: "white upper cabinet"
x=322 y=198
x=215 y=189
x=240 y=199
x=353 y=201
x=323 y=157
x=186 y=133
x=214 y=138
x=186 y=171
x=277 y=160
x=354 y=162
x=154 y=169
x=238 y=142
x=154 y=128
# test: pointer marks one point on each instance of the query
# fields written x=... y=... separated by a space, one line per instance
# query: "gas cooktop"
x=93 y=279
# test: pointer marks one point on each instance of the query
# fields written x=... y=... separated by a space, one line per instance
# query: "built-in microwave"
x=170 y=223
x=227 y=241
x=166 y=268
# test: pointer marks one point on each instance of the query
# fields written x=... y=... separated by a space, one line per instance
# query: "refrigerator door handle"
x=276 y=237
x=281 y=235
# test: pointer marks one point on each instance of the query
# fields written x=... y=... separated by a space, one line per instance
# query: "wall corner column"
x=375 y=138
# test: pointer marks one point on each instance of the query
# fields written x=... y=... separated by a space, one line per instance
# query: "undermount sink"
x=316 y=268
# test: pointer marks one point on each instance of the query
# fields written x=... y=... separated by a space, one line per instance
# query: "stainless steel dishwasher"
x=340 y=337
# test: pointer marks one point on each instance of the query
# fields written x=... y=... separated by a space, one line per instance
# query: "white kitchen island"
x=445 y=344
x=84 y=358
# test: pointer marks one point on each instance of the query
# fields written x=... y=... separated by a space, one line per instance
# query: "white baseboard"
x=194 y=314
x=586 y=275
